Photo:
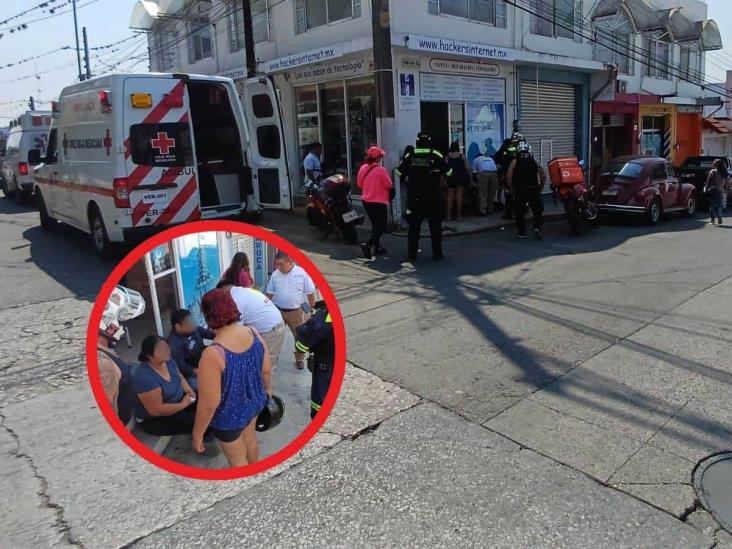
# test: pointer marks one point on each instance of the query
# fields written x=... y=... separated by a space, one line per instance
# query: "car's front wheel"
x=690 y=208
x=654 y=212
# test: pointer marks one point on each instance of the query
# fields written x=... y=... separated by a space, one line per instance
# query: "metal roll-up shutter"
x=243 y=243
x=548 y=119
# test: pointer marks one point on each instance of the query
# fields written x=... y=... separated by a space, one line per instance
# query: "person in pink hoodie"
x=378 y=191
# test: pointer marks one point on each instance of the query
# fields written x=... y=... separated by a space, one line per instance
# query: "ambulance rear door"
x=270 y=171
x=162 y=179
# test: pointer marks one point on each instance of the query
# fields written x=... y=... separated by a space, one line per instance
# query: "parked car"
x=27 y=132
x=695 y=170
x=643 y=186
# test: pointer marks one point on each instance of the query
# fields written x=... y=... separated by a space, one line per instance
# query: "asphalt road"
x=520 y=393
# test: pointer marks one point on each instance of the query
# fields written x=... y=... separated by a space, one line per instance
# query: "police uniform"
x=505 y=155
x=316 y=336
x=425 y=170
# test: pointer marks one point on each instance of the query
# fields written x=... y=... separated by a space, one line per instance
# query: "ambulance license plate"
x=155 y=197
x=350 y=216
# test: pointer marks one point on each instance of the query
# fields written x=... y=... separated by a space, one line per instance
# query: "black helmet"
x=423 y=140
x=271 y=415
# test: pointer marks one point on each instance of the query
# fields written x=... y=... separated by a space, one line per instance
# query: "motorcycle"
x=568 y=183
x=330 y=208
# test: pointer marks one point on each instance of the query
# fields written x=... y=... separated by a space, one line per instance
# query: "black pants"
x=433 y=214
x=180 y=423
x=379 y=216
x=533 y=198
x=322 y=375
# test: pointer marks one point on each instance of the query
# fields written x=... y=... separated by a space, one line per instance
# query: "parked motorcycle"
x=330 y=208
x=568 y=182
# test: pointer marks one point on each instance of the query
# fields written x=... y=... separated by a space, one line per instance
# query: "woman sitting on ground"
x=234 y=380
x=239 y=272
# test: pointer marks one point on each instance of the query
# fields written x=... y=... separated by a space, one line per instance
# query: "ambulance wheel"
x=99 y=233
x=48 y=223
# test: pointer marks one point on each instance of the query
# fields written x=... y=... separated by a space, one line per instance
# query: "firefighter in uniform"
x=316 y=337
x=505 y=155
x=426 y=170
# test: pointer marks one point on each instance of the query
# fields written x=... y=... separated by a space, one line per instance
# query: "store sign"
x=408 y=95
x=234 y=74
x=411 y=62
x=485 y=126
x=310 y=57
x=441 y=87
x=689 y=109
x=458 y=47
x=464 y=67
x=341 y=69
x=260 y=267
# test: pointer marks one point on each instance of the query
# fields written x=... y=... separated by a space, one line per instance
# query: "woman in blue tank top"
x=234 y=380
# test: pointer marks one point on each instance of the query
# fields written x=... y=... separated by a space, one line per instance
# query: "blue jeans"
x=716 y=202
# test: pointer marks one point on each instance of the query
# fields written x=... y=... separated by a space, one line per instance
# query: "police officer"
x=316 y=337
x=525 y=180
x=505 y=155
x=426 y=170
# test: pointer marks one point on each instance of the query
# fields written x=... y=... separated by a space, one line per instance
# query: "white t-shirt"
x=312 y=163
x=484 y=164
x=290 y=291
x=255 y=309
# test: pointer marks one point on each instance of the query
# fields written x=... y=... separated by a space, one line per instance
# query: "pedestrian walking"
x=239 y=272
x=503 y=158
x=485 y=173
x=457 y=182
x=716 y=187
x=316 y=336
x=378 y=191
x=288 y=288
x=426 y=170
x=525 y=179
x=234 y=381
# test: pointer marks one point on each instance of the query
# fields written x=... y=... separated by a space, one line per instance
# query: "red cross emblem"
x=163 y=143
x=107 y=142
x=65 y=144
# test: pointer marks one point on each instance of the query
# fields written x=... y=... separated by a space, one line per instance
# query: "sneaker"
x=537 y=234
x=720 y=220
x=521 y=235
x=366 y=250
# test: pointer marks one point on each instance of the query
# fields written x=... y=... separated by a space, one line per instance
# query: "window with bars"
x=492 y=12
x=690 y=64
x=613 y=43
x=166 y=50
x=657 y=57
x=310 y=14
x=557 y=18
x=260 y=23
x=200 y=39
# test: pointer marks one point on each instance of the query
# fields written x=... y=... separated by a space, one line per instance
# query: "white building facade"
x=463 y=69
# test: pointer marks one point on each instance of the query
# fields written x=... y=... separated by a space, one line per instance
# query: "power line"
x=24 y=26
x=41 y=6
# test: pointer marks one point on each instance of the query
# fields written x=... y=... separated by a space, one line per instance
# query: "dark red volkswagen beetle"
x=643 y=186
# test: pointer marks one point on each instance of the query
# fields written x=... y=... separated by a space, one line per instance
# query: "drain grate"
x=713 y=484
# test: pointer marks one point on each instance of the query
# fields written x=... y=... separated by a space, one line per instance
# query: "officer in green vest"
x=505 y=155
x=426 y=170
x=316 y=337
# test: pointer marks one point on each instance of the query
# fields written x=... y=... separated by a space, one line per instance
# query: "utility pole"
x=78 y=50
x=86 y=54
x=384 y=75
x=251 y=56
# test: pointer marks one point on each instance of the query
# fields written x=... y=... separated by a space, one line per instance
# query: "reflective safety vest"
x=424 y=169
x=316 y=336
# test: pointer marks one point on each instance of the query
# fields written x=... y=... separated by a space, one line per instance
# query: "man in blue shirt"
x=187 y=345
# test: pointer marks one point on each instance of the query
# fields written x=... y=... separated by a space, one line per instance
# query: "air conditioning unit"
x=621 y=86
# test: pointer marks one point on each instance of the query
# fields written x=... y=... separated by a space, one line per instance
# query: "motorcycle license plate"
x=610 y=193
x=350 y=216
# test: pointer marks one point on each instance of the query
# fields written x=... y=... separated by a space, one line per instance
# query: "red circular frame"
x=168 y=464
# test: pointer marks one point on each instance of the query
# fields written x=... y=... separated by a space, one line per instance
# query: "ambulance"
x=129 y=154
x=26 y=132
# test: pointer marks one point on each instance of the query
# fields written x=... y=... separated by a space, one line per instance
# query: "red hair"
x=219 y=309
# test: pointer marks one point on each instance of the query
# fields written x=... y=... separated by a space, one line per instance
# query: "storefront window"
x=484 y=128
x=362 y=121
x=308 y=125
x=333 y=114
x=161 y=258
x=457 y=124
x=200 y=268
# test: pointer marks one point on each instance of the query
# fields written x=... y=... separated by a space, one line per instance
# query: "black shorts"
x=227 y=436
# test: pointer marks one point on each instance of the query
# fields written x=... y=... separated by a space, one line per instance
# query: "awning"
x=143 y=15
x=169 y=7
x=643 y=16
x=711 y=39
x=715 y=125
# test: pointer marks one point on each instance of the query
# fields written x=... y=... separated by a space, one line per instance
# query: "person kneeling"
x=234 y=380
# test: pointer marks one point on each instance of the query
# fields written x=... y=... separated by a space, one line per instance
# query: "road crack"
x=60 y=523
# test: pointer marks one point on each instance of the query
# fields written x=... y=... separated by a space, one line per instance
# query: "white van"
x=28 y=131
x=129 y=154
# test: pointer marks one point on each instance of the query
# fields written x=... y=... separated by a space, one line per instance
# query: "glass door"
x=199 y=259
x=333 y=116
x=361 y=121
x=457 y=125
x=162 y=273
x=308 y=124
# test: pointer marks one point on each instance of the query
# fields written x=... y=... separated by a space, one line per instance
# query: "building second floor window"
x=614 y=42
x=690 y=65
x=166 y=50
x=656 y=55
x=200 y=42
x=483 y=11
x=557 y=18
x=310 y=14
x=260 y=23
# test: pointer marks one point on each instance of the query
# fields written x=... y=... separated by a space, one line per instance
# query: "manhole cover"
x=713 y=484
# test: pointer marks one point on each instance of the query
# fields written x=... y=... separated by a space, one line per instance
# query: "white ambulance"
x=27 y=132
x=129 y=154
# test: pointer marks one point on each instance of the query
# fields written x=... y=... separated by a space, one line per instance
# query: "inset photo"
x=216 y=350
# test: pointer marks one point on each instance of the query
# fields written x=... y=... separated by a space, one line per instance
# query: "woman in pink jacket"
x=378 y=190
